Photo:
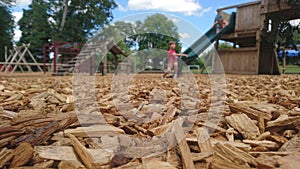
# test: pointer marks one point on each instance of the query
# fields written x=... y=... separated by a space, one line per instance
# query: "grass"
x=292 y=69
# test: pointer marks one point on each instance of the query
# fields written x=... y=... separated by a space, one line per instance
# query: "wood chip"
x=244 y=125
x=183 y=147
x=94 y=131
x=22 y=155
x=60 y=153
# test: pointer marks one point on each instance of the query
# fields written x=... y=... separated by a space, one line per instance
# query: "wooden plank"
x=244 y=125
x=183 y=147
x=237 y=61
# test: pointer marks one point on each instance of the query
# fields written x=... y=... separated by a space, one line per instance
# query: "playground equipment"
x=62 y=52
x=91 y=55
x=17 y=59
x=252 y=30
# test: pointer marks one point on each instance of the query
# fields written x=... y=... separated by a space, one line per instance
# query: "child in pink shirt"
x=172 y=59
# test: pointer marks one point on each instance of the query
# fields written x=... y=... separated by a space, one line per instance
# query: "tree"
x=6 y=30
x=148 y=39
x=288 y=34
x=296 y=35
x=225 y=45
x=7 y=2
x=156 y=31
x=35 y=27
x=76 y=20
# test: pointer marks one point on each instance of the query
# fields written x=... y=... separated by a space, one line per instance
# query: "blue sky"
x=188 y=15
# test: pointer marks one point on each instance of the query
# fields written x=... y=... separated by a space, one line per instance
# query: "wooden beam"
x=32 y=64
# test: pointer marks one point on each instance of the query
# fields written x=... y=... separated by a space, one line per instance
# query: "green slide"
x=206 y=40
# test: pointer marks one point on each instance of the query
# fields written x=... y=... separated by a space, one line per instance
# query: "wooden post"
x=5 y=53
x=44 y=58
x=258 y=41
x=31 y=55
x=55 y=57
x=14 y=56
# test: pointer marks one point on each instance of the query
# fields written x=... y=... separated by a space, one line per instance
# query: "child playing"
x=172 y=59
x=220 y=23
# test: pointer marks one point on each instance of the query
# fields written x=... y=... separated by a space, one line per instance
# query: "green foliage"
x=148 y=39
x=35 y=27
x=225 y=45
x=6 y=30
x=285 y=34
x=156 y=31
x=7 y=3
x=296 y=35
x=83 y=17
x=288 y=34
x=41 y=23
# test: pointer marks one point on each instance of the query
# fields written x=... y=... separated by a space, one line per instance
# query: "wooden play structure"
x=254 y=37
x=91 y=56
x=62 y=53
x=17 y=59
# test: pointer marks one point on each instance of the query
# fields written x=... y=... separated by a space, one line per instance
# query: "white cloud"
x=17 y=16
x=17 y=32
x=174 y=20
x=17 y=35
x=184 y=35
x=188 y=7
x=206 y=10
x=121 y=8
x=23 y=3
x=295 y=22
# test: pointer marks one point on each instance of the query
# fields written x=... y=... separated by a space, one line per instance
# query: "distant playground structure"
x=251 y=29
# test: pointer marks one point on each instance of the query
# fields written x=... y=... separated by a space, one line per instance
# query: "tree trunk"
x=63 y=21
